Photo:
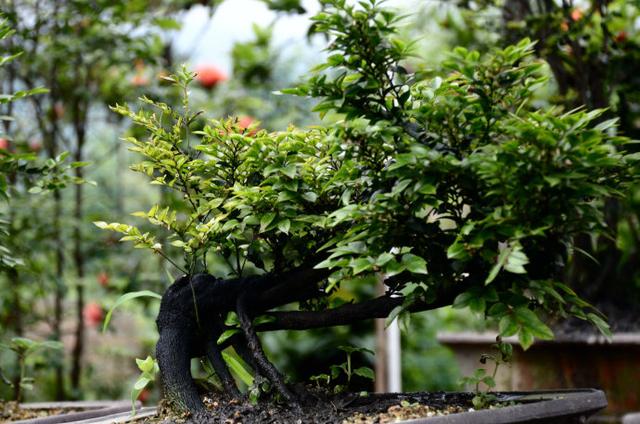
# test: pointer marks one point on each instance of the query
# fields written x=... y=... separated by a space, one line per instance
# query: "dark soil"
x=342 y=409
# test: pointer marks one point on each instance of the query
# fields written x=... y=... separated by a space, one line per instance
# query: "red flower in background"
x=621 y=37
x=140 y=79
x=245 y=121
x=577 y=14
x=93 y=314
x=58 y=110
x=103 y=279
x=35 y=146
x=209 y=76
x=144 y=395
x=4 y=143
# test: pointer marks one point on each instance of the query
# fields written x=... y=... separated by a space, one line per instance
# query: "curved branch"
x=379 y=307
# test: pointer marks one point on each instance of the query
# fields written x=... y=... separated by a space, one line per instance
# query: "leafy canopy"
x=453 y=181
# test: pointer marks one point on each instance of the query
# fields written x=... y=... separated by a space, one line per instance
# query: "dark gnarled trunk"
x=193 y=312
x=191 y=319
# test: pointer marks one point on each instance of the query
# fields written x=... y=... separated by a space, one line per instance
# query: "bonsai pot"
x=85 y=412
x=554 y=406
x=558 y=406
x=567 y=362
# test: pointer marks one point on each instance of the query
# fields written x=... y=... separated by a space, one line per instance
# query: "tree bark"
x=80 y=116
x=59 y=293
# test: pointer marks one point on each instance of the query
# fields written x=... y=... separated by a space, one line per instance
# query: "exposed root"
x=220 y=367
x=185 y=335
x=263 y=364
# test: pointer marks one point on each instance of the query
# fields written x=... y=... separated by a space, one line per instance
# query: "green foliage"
x=484 y=399
x=148 y=371
x=238 y=368
x=54 y=174
x=88 y=56
x=253 y=60
x=23 y=348
x=433 y=183
x=591 y=52
x=125 y=298
x=344 y=369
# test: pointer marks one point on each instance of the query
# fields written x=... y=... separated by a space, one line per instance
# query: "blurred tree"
x=80 y=52
x=593 y=51
x=19 y=172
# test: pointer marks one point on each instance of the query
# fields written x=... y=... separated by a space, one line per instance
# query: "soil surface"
x=341 y=409
x=10 y=411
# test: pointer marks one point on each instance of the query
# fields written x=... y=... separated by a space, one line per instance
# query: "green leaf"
x=237 y=367
x=232 y=319
x=141 y=383
x=525 y=338
x=289 y=170
x=125 y=298
x=227 y=334
x=508 y=326
x=530 y=321
x=263 y=319
x=365 y=372
x=600 y=324
x=384 y=258
x=145 y=365
x=512 y=259
x=456 y=251
x=310 y=196
x=414 y=264
x=79 y=164
x=166 y=23
x=265 y=220
x=516 y=261
x=502 y=259
x=393 y=315
x=489 y=382
x=284 y=225
x=462 y=300
x=361 y=264
x=392 y=268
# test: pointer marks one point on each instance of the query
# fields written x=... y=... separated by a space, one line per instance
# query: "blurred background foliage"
x=90 y=55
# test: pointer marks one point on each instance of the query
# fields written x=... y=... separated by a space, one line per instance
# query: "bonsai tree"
x=450 y=189
x=592 y=50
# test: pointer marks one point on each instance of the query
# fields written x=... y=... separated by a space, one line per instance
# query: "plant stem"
x=22 y=362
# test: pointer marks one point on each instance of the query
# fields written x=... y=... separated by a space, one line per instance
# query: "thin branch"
x=159 y=252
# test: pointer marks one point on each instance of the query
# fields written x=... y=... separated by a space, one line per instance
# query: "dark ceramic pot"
x=95 y=412
x=564 y=406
